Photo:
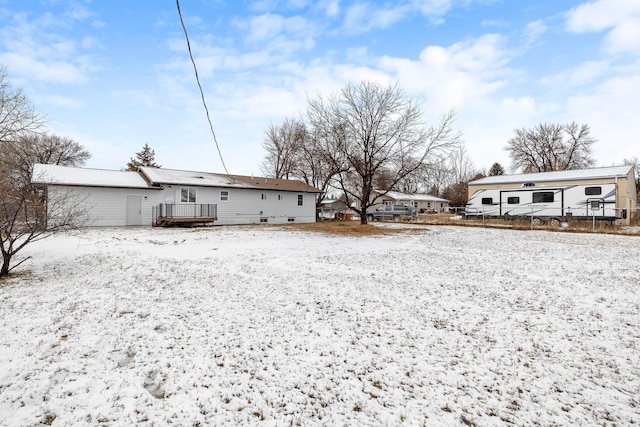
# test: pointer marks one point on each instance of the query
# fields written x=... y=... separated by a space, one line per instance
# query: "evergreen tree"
x=496 y=169
x=146 y=157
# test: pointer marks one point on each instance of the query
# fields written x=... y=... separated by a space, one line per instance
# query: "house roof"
x=65 y=175
x=154 y=178
x=161 y=176
x=396 y=195
x=568 y=175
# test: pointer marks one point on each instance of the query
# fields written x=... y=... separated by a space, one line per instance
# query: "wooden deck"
x=184 y=215
x=183 y=222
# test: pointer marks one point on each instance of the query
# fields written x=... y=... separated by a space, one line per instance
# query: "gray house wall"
x=247 y=206
x=107 y=207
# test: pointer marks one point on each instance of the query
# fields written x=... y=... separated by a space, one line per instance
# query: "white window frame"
x=224 y=195
x=190 y=191
x=263 y=196
x=300 y=199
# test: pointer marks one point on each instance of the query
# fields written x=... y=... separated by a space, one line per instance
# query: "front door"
x=134 y=210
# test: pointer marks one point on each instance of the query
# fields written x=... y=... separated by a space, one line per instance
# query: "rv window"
x=592 y=191
x=487 y=200
x=513 y=200
x=543 y=197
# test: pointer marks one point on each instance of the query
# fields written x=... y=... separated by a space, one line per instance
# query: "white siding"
x=107 y=206
x=246 y=206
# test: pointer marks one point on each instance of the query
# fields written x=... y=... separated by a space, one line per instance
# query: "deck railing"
x=186 y=211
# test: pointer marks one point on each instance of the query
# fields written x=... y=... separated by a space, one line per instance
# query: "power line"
x=195 y=69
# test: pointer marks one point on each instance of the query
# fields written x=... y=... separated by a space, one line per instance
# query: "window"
x=487 y=200
x=513 y=200
x=543 y=197
x=263 y=219
x=280 y=197
x=188 y=194
x=592 y=191
x=300 y=199
x=291 y=219
x=224 y=196
x=263 y=196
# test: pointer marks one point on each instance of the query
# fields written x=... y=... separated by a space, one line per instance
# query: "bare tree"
x=27 y=214
x=374 y=134
x=551 y=147
x=313 y=165
x=18 y=157
x=17 y=115
x=461 y=171
x=283 y=144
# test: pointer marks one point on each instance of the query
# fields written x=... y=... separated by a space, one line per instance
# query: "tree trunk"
x=5 y=265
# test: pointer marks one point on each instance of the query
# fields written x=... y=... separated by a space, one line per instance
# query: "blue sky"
x=115 y=74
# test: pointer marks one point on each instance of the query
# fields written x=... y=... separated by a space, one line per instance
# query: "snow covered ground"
x=276 y=326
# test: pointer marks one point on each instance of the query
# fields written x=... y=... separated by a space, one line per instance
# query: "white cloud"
x=621 y=17
x=534 y=30
x=38 y=49
x=365 y=16
x=278 y=34
x=582 y=74
x=454 y=75
x=331 y=7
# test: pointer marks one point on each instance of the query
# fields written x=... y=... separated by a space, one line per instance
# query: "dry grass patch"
x=349 y=228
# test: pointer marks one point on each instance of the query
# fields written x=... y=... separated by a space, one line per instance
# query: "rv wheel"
x=554 y=222
x=537 y=221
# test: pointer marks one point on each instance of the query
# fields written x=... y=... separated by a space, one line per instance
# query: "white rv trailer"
x=599 y=193
x=546 y=203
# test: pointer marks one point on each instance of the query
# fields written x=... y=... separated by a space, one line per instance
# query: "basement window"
x=291 y=219
x=264 y=219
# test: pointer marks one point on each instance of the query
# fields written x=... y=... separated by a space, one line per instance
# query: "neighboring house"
x=602 y=193
x=334 y=209
x=424 y=203
x=163 y=196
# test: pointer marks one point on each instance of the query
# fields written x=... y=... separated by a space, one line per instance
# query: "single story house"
x=424 y=203
x=158 y=196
